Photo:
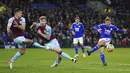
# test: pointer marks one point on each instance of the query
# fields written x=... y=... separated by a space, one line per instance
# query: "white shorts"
x=53 y=44
x=76 y=40
x=19 y=40
x=108 y=40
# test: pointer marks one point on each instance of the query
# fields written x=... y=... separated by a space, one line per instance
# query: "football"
x=110 y=48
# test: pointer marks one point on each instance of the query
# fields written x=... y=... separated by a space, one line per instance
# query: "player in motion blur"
x=105 y=30
x=77 y=30
x=16 y=27
x=46 y=35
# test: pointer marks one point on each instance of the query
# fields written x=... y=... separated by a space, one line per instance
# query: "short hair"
x=17 y=10
x=42 y=17
x=108 y=19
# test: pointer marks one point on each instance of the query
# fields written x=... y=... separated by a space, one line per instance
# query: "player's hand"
x=73 y=33
x=33 y=25
x=124 y=30
x=99 y=30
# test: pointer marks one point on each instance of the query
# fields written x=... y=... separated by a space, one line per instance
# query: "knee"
x=22 y=51
x=102 y=43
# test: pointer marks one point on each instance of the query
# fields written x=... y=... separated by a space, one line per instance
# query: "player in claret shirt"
x=46 y=35
x=16 y=28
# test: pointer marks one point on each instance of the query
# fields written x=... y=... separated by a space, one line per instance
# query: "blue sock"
x=102 y=56
x=37 y=45
x=82 y=47
x=76 y=49
x=94 y=49
x=66 y=55
x=16 y=56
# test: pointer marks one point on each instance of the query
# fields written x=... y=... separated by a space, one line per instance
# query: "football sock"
x=37 y=45
x=94 y=49
x=102 y=56
x=76 y=49
x=82 y=47
x=16 y=56
x=66 y=56
x=58 y=60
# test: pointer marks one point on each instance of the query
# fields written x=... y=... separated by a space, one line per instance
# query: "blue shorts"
x=53 y=44
x=19 y=40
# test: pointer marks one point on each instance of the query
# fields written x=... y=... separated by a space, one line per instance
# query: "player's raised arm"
x=117 y=29
x=33 y=25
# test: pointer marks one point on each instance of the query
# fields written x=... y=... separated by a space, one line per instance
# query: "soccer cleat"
x=84 y=55
x=54 y=65
x=104 y=64
x=10 y=64
x=76 y=55
x=88 y=53
x=74 y=60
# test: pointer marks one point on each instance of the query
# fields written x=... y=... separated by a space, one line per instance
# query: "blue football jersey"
x=78 y=29
x=107 y=31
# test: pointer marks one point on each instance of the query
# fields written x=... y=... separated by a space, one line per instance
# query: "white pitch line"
x=124 y=64
x=109 y=69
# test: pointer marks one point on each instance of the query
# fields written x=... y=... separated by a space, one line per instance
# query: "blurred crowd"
x=61 y=18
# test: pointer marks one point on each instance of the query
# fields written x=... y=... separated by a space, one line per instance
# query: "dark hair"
x=17 y=10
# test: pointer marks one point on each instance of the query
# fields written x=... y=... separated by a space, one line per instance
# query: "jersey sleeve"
x=10 y=21
x=117 y=29
x=98 y=27
x=48 y=31
x=23 y=21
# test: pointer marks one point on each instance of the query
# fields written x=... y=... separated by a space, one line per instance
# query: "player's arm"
x=72 y=30
x=10 y=21
x=48 y=32
x=22 y=26
x=117 y=29
x=98 y=28
x=33 y=25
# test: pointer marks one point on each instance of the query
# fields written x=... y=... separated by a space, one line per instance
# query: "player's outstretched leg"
x=58 y=60
x=35 y=44
x=102 y=56
x=65 y=55
x=100 y=44
x=16 y=56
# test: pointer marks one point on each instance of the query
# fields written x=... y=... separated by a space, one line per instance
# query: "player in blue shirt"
x=105 y=31
x=77 y=30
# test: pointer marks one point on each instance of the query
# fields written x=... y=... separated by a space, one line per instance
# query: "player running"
x=77 y=30
x=105 y=31
x=46 y=35
x=16 y=27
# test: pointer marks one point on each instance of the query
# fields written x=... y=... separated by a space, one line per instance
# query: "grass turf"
x=39 y=61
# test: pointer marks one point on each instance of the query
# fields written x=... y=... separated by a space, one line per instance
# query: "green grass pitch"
x=39 y=61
